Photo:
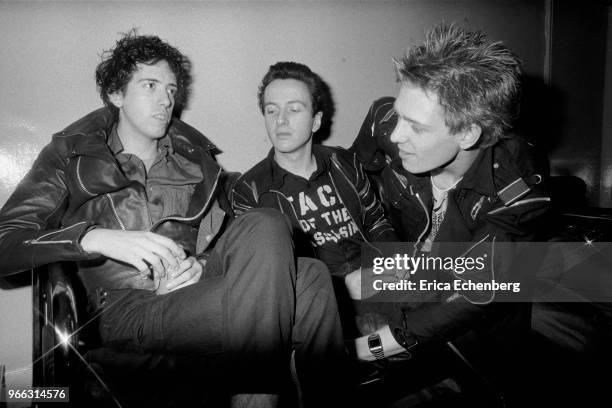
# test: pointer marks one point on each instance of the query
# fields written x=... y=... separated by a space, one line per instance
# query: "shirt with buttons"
x=170 y=181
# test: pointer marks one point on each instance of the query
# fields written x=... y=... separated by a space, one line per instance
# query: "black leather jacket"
x=76 y=183
x=501 y=199
x=259 y=187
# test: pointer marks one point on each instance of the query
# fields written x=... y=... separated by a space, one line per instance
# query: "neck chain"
x=444 y=190
x=442 y=194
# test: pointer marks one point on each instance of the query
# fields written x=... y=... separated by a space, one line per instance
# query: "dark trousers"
x=251 y=308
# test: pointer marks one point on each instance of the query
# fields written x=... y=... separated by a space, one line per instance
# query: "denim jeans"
x=253 y=305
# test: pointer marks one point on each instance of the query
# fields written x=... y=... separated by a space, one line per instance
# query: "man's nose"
x=397 y=134
x=281 y=119
x=166 y=99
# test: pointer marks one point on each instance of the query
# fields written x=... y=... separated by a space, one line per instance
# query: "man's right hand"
x=140 y=249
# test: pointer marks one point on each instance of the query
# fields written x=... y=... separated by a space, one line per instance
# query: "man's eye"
x=149 y=85
x=416 y=129
x=295 y=108
x=270 y=111
x=172 y=91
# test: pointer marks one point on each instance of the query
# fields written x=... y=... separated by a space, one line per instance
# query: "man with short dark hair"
x=135 y=197
x=451 y=173
x=322 y=190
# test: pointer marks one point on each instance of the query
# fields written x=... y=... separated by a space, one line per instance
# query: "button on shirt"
x=169 y=183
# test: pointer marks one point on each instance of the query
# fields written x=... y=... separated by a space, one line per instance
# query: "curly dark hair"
x=477 y=81
x=300 y=72
x=119 y=63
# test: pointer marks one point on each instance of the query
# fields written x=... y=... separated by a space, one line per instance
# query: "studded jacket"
x=76 y=183
x=499 y=204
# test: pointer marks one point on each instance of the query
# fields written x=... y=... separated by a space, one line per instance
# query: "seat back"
x=58 y=303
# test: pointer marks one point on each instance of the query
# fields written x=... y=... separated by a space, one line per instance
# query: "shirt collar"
x=278 y=174
x=114 y=142
x=164 y=145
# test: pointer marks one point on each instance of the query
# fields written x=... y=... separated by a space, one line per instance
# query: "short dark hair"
x=477 y=81
x=299 y=72
x=118 y=64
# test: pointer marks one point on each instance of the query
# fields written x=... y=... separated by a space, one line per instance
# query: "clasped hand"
x=148 y=252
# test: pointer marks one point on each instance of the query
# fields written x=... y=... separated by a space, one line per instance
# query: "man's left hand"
x=187 y=273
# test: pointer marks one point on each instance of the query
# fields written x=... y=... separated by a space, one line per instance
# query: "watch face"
x=374 y=342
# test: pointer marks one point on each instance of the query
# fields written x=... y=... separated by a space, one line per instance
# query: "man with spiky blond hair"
x=451 y=172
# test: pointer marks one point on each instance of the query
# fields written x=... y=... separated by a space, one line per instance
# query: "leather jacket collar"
x=478 y=178
x=88 y=137
x=100 y=122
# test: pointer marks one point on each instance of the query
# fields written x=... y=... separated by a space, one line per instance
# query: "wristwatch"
x=375 y=345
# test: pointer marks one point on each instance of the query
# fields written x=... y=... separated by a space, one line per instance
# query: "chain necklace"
x=441 y=192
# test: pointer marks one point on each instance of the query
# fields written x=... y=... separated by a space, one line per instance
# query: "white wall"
x=49 y=51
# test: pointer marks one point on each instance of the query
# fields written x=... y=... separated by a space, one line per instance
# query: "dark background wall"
x=606 y=133
x=573 y=104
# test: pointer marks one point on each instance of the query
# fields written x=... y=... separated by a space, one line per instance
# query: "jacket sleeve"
x=31 y=230
x=244 y=196
x=376 y=224
x=506 y=235
x=366 y=145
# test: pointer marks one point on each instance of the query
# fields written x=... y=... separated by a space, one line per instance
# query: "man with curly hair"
x=450 y=172
x=134 y=196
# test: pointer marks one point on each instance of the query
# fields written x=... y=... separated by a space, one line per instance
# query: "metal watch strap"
x=378 y=351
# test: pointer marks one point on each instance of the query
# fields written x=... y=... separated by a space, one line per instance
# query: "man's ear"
x=470 y=137
x=316 y=124
x=116 y=99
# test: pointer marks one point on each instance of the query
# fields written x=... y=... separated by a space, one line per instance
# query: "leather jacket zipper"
x=107 y=195
x=80 y=181
x=147 y=205
x=110 y=199
x=39 y=241
x=113 y=163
